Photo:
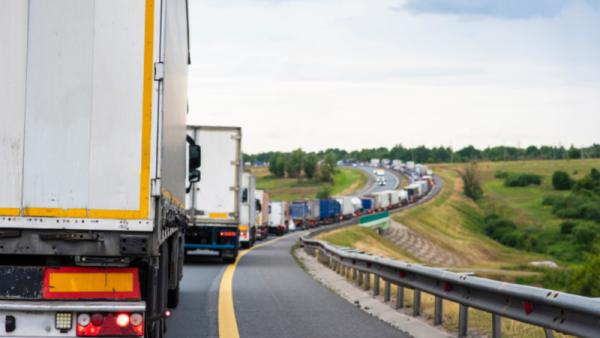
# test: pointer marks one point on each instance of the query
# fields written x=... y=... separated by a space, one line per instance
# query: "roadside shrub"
x=585 y=234
x=501 y=174
x=561 y=180
x=581 y=280
x=584 y=279
x=551 y=200
x=566 y=228
x=589 y=211
x=324 y=193
x=522 y=180
x=471 y=182
x=567 y=213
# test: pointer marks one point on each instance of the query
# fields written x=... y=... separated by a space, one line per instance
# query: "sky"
x=355 y=74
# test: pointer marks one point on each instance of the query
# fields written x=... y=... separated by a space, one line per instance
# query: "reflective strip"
x=218 y=215
x=91 y=283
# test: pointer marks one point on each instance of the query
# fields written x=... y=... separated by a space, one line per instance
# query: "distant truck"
x=299 y=213
x=329 y=210
x=278 y=218
x=248 y=211
x=347 y=207
x=214 y=203
x=314 y=213
x=262 y=210
x=93 y=169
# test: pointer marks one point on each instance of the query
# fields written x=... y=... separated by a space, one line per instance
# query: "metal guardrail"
x=548 y=309
x=551 y=310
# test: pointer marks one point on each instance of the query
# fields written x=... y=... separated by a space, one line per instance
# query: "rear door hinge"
x=156 y=187
x=159 y=71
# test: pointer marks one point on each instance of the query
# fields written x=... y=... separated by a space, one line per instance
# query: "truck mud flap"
x=21 y=282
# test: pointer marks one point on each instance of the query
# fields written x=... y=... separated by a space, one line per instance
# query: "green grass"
x=365 y=239
x=346 y=181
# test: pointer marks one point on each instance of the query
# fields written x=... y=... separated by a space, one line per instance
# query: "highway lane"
x=391 y=181
x=197 y=314
x=274 y=297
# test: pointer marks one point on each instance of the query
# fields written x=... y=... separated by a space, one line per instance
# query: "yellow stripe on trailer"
x=218 y=215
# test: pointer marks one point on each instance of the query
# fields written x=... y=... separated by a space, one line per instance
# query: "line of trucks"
x=103 y=186
x=313 y=213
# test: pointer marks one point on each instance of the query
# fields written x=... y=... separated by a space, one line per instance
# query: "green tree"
x=324 y=193
x=294 y=163
x=327 y=168
x=573 y=153
x=310 y=165
x=277 y=165
x=561 y=180
x=471 y=181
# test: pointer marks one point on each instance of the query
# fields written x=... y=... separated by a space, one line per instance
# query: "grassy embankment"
x=345 y=182
x=457 y=224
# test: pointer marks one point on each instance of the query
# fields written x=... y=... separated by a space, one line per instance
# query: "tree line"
x=442 y=154
x=299 y=164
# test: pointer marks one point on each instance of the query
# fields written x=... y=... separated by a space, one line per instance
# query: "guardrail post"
x=375 y=285
x=359 y=280
x=354 y=275
x=400 y=298
x=549 y=333
x=367 y=281
x=416 y=303
x=496 y=326
x=438 y=311
x=463 y=320
x=387 y=291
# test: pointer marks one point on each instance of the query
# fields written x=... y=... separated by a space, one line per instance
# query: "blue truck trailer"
x=329 y=210
x=299 y=213
x=367 y=204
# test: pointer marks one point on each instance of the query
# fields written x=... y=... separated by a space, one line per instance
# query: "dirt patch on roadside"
x=422 y=248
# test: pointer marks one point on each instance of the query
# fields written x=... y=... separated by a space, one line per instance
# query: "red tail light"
x=228 y=234
x=110 y=325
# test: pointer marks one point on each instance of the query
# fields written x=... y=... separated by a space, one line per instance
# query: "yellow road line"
x=228 y=327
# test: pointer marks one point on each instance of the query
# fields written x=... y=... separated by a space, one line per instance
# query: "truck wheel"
x=173 y=301
x=229 y=260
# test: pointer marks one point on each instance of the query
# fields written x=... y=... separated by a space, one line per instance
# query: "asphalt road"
x=391 y=182
x=273 y=297
x=197 y=314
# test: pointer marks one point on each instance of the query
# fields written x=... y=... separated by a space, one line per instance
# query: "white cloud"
x=360 y=73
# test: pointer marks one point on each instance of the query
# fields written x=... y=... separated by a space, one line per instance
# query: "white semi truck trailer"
x=248 y=211
x=93 y=166
x=214 y=204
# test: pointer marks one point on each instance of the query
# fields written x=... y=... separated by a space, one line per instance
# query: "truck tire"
x=173 y=301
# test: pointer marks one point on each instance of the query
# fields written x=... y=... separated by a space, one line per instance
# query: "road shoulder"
x=364 y=300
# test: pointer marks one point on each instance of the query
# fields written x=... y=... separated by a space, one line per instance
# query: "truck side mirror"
x=194 y=177
x=194 y=162
x=195 y=157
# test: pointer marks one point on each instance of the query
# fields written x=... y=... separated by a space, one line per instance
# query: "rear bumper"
x=37 y=318
x=209 y=238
